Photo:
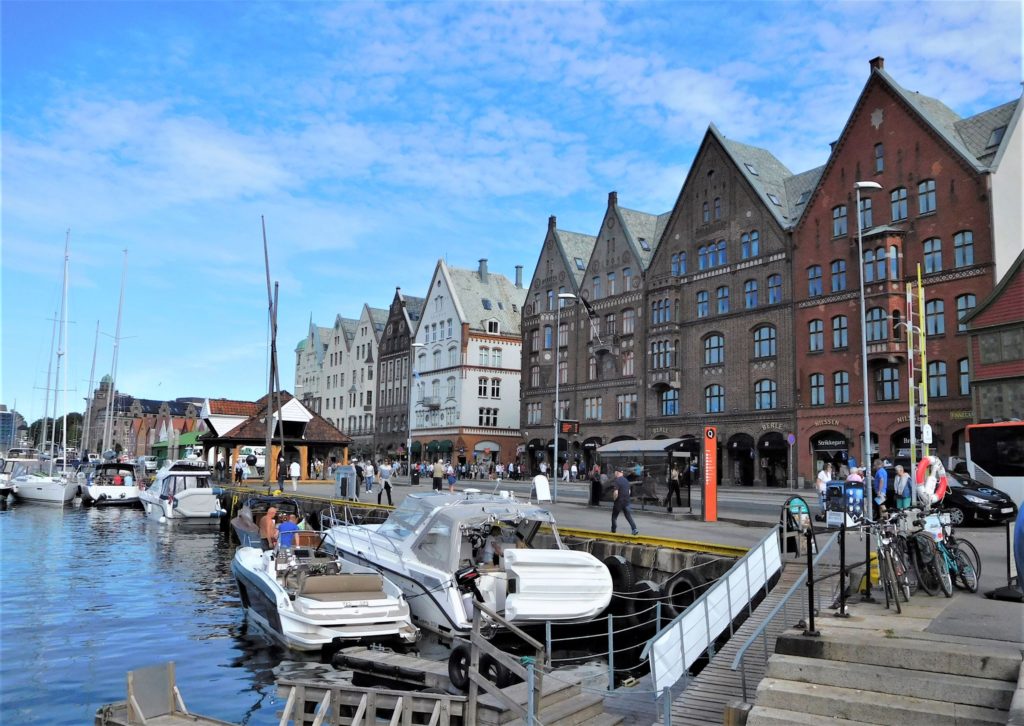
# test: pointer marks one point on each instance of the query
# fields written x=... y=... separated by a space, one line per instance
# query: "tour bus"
x=995 y=456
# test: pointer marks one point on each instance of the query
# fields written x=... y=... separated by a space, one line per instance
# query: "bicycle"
x=968 y=548
x=930 y=564
x=961 y=570
x=891 y=571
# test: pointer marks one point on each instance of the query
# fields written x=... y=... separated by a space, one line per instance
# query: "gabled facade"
x=719 y=311
x=934 y=210
x=394 y=376
x=361 y=392
x=309 y=366
x=336 y=380
x=467 y=370
x=560 y=268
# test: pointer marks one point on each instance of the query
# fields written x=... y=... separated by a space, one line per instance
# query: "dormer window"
x=486 y=303
x=492 y=327
x=644 y=244
x=580 y=264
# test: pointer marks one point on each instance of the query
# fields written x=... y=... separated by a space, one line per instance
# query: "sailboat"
x=112 y=482
x=60 y=487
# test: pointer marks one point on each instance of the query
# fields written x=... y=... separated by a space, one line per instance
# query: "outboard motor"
x=465 y=578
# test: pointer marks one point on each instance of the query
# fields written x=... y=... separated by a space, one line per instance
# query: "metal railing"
x=309 y=703
x=786 y=613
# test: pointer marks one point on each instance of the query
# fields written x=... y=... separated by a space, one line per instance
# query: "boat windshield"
x=406 y=518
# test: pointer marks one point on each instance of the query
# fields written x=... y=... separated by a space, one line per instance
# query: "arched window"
x=817 y=389
x=963 y=367
x=750 y=294
x=547 y=337
x=814 y=286
x=841 y=386
x=718 y=207
x=840 y=332
x=722 y=297
x=714 y=350
x=878 y=325
x=628 y=321
x=964 y=305
x=702 y=257
x=816 y=335
x=935 y=317
x=714 y=399
x=563 y=371
x=453 y=356
x=926 y=196
x=932 y=255
x=703 y=304
x=838 y=275
x=869 y=266
x=722 y=259
x=894 y=262
x=764 y=341
x=705 y=213
x=765 y=395
x=898 y=202
x=774 y=289
x=535 y=376
x=563 y=335
x=880 y=267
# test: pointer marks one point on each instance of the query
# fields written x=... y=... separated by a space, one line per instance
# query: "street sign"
x=566 y=426
x=791 y=439
x=926 y=433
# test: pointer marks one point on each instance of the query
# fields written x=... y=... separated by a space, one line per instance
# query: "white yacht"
x=182 y=492
x=37 y=486
x=22 y=461
x=442 y=550
x=109 y=483
x=307 y=599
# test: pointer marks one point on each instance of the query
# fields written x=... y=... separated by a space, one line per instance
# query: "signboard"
x=926 y=433
x=568 y=427
x=709 y=500
x=542 y=488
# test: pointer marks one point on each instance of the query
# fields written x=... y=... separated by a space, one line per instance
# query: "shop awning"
x=416 y=447
x=642 y=446
x=444 y=445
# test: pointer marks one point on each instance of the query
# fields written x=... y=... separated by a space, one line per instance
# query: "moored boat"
x=307 y=599
x=44 y=488
x=245 y=524
x=182 y=492
x=110 y=484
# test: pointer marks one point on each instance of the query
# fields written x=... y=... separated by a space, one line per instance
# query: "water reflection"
x=87 y=594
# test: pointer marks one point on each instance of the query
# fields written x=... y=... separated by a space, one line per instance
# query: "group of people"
x=276 y=530
x=368 y=476
x=902 y=487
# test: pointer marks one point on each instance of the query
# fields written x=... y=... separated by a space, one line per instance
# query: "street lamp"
x=558 y=313
x=408 y=441
x=866 y=484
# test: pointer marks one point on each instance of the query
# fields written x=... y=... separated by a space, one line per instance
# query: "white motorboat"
x=182 y=492
x=245 y=523
x=110 y=483
x=434 y=546
x=307 y=599
x=36 y=486
x=22 y=461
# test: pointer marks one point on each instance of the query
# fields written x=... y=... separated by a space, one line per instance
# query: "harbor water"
x=88 y=594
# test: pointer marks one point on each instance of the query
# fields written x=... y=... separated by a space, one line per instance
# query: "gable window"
x=750 y=294
x=838 y=275
x=879 y=158
x=932 y=255
x=644 y=244
x=963 y=248
x=702 y=258
x=750 y=243
x=840 y=329
x=551 y=299
x=898 y=203
x=611 y=283
x=596 y=286
x=764 y=341
x=718 y=207
x=765 y=395
x=935 y=317
x=703 y=306
x=670 y=402
x=926 y=196
x=714 y=399
x=841 y=386
x=814 y=285
x=774 y=289
x=580 y=264
x=721 y=252
x=937 y=379
x=675 y=266
x=816 y=335
x=839 y=220
x=964 y=305
x=722 y=297
x=492 y=327
x=705 y=213
x=714 y=350
x=627 y=275
x=817 y=388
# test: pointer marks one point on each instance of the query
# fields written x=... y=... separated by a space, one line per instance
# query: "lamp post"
x=408 y=441
x=558 y=316
x=868 y=502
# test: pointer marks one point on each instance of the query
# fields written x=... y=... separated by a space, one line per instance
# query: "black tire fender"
x=641 y=601
x=495 y=672
x=458 y=668
x=681 y=590
x=623 y=577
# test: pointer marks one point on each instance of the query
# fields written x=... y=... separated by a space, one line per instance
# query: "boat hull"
x=202 y=506
x=110 y=495
x=46 y=490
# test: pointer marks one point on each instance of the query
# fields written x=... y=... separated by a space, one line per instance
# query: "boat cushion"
x=343 y=587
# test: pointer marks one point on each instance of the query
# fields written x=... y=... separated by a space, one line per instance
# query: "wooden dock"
x=703 y=701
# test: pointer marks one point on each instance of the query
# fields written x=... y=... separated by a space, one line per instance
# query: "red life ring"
x=922 y=470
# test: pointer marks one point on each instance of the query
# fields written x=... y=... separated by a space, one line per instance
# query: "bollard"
x=843 y=612
x=810 y=631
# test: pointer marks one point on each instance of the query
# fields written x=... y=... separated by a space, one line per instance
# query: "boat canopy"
x=457 y=510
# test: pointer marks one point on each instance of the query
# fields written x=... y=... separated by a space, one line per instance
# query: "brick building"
x=394 y=375
x=933 y=209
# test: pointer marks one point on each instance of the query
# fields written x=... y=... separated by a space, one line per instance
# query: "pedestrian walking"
x=574 y=472
x=673 y=487
x=902 y=487
x=449 y=472
x=385 y=481
x=824 y=477
x=621 y=503
x=294 y=471
x=881 y=483
x=239 y=471
x=368 y=475
x=436 y=475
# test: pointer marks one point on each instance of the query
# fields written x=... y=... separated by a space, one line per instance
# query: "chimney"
x=483 y=270
x=519 y=277
x=551 y=222
x=877 y=63
x=613 y=199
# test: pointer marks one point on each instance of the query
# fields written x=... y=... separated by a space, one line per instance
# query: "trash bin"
x=595 y=492
x=414 y=476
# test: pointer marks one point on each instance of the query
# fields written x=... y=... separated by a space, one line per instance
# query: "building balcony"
x=431 y=402
x=887 y=351
x=662 y=379
x=609 y=344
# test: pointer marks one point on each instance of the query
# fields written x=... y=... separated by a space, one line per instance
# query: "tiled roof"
x=799 y=188
x=976 y=131
x=645 y=232
x=413 y=306
x=226 y=407
x=500 y=294
x=765 y=173
x=575 y=245
x=379 y=318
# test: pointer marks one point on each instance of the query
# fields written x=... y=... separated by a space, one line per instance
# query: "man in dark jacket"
x=620 y=503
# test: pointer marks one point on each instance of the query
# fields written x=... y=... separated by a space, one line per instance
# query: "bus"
x=995 y=456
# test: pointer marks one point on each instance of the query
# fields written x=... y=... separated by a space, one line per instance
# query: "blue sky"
x=378 y=137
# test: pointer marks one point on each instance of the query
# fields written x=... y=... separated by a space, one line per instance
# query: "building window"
x=932 y=255
x=937 y=379
x=661 y=312
x=592 y=409
x=670 y=402
x=718 y=207
x=898 y=202
x=750 y=294
x=563 y=335
x=926 y=196
x=814 y=284
x=534 y=376
x=964 y=305
x=721 y=248
x=481 y=388
x=839 y=220
x=840 y=330
x=765 y=395
x=887 y=384
x=702 y=257
x=628 y=321
x=935 y=317
x=894 y=263
x=609 y=324
x=750 y=244
x=488 y=417
x=547 y=337
x=764 y=342
x=705 y=213
x=627 y=359
x=841 y=386
x=865 y=213
x=722 y=297
x=817 y=389
x=533 y=413
x=592 y=368
x=714 y=399
x=675 y=265
x=627 y=274
x=625 y=405
x=703 y=304
x=774 y=289
x=596 y=286
x=880 y=266
x=878 y=325
x=838 y=275
x=535 y=339
x=714 y=350
x=869 y=266
x=963 y=248
x=661 y=354
x=964 y=368
x=611 y=283
x=485 y=356
x=879 y=158
x=816 y=335
x=453 y=356
x=563 y=371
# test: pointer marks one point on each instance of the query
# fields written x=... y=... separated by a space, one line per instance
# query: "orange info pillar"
x=709 y=495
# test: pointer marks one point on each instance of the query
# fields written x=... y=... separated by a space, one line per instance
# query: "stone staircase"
x=563 y=703
x=884 y=676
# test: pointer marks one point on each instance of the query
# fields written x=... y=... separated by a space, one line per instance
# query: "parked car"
x=967 y=500
x=150 y=463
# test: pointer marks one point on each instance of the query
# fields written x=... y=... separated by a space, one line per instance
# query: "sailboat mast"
x=84 y=438
x=49 y=382
x=64 y=342
x=267 y=457
x=108 y=428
